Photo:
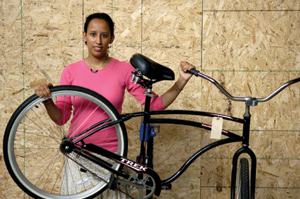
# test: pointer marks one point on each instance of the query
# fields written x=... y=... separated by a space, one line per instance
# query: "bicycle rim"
x=32 y=147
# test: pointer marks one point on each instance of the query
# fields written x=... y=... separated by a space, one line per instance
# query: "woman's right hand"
x=43 y=90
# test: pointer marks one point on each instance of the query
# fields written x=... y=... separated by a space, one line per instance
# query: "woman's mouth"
x=98 y=49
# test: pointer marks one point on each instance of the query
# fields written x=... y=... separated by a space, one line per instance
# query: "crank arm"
x=124 y=182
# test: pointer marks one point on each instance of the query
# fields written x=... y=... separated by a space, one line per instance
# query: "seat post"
x=148 y=160
x=142 y=156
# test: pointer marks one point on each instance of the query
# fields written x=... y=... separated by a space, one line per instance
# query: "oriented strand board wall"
x=249 y=47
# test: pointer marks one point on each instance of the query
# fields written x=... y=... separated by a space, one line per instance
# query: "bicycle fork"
x=245 y=149
x=234 y=170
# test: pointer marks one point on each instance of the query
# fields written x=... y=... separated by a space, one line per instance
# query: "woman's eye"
x=104 y=35
x=93 y=34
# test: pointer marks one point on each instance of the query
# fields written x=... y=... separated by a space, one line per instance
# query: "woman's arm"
x=170 y=95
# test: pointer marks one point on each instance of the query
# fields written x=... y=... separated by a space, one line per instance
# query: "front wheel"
x=32 y=144
x=243 y=180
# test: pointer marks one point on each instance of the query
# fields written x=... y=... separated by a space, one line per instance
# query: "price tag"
x=216 y=128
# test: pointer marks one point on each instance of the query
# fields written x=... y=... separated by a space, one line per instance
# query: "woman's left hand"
x=183 y=67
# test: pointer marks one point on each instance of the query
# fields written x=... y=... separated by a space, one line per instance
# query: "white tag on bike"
x=216 y=128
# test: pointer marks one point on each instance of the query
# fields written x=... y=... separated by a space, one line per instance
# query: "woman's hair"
x=103 y=16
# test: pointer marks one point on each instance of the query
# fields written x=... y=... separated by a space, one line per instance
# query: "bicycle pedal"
x=113 y=183
x=166 y=187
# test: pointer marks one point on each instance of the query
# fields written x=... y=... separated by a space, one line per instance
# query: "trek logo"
x=133 y=165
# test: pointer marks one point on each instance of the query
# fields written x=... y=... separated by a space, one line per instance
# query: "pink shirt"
x=110 y=82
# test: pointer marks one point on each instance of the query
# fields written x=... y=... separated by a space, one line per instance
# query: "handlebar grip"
x=194 y=72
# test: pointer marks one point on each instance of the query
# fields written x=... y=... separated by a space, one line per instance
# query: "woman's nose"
x=99 y=40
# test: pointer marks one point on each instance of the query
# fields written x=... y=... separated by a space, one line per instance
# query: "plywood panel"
x=250 y=48
x=245 y=5
x=257 y=41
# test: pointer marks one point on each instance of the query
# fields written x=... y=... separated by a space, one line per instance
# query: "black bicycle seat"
x=151 y=69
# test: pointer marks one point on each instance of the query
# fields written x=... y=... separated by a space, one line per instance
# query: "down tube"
x=196 y=155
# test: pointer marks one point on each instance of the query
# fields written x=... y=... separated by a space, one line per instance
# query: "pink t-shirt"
x=110 y=82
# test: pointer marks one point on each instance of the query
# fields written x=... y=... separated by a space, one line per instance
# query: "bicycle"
x=38 y=152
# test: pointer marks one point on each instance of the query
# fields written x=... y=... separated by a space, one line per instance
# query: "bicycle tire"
x=31 y=148
x=243 y=179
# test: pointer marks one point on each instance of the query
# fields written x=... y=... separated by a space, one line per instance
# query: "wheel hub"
x=67 y=146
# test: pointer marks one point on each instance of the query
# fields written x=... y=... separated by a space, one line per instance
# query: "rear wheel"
x=243 y=180
x=32 y=145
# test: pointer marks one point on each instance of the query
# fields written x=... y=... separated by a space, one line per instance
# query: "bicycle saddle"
x=151 y=69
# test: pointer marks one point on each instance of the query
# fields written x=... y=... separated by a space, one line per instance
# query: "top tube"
x=251 y=101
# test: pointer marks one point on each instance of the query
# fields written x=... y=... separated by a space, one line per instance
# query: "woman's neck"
x=97 y=63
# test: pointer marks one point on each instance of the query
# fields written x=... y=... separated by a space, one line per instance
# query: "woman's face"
x=98 y=38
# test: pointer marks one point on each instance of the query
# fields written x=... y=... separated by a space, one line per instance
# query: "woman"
x=107 y=76
x=98 y=35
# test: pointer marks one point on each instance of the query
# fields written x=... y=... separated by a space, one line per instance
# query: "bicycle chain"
x=99 y=177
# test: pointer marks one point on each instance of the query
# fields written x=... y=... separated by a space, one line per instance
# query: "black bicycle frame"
x=232 y=137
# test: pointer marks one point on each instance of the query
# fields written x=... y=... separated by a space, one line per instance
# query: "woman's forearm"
x=53 y=111
x=170 y=95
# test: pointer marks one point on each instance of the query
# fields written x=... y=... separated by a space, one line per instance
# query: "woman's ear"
x=112 y=39
x=84 y=37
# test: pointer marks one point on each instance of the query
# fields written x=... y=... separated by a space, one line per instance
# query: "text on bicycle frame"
x=133 y=165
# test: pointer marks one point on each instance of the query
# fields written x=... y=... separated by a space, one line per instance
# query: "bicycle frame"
x=145 y=161
x=231 y=137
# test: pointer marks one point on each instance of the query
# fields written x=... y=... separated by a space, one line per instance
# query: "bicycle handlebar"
x=251 y=101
